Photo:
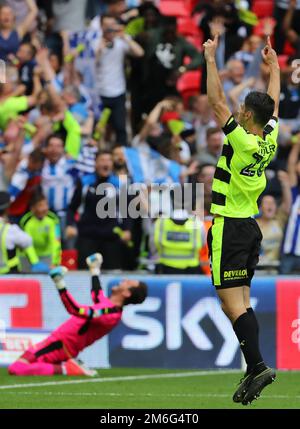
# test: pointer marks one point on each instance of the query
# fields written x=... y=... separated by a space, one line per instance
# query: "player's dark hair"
x=262 y=106
x=138 y=294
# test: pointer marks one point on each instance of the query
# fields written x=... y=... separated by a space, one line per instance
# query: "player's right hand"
x=269 y=55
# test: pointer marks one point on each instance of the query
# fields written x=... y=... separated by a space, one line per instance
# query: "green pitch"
x=143 y=388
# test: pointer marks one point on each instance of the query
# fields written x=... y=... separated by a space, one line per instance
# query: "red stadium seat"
x=263 y=8
x=288 y=49
x=191 y=4
x=69 y=259
x=282 y=60
x=259 y=28
x=173 y=8
x=189 y=80
x=189 y=84
x=187 y=27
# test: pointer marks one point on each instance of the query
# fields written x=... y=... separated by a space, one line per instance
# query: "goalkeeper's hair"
x=262 y=106
x=138 y=294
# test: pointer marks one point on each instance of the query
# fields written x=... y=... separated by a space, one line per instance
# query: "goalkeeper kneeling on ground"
x=56 y=354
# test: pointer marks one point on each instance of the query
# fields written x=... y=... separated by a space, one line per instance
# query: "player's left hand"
x=210 y=48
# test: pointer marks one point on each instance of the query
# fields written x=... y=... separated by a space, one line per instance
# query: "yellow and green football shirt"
x=45 y=234
x=240 y=178
x=10 y=109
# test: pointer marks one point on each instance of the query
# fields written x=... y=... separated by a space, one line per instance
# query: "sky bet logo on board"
x=180 y=325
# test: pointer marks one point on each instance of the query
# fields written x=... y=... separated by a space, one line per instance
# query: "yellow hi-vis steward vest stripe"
x=6 y=264
x=178 y=245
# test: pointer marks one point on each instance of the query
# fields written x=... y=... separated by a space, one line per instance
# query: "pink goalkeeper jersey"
x=87 y=324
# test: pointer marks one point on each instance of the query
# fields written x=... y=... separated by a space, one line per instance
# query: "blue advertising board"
x=181 y=325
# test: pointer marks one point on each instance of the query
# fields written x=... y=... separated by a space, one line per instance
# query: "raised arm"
x=135 y=50
x=195 y=56
x=96 y=289
x=288 y=18
x=42 y=58
x=153 y=118
x=72 y=306
x=270 y=58
x=18 y=181
x=215 y=92
x=286 y=202
x=87 y=312
x=73 y=137
x=24 y=27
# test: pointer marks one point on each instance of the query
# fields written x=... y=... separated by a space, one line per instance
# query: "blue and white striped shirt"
x=58 y=183
x=291 y=243
x=86 y=160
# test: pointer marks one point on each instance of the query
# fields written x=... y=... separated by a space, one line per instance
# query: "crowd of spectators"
x=97 y=91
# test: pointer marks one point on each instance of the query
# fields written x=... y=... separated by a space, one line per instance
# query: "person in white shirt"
x=110 y=72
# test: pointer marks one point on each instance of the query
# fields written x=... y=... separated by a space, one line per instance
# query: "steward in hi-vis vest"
x=178 y=241
x=12 y=238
